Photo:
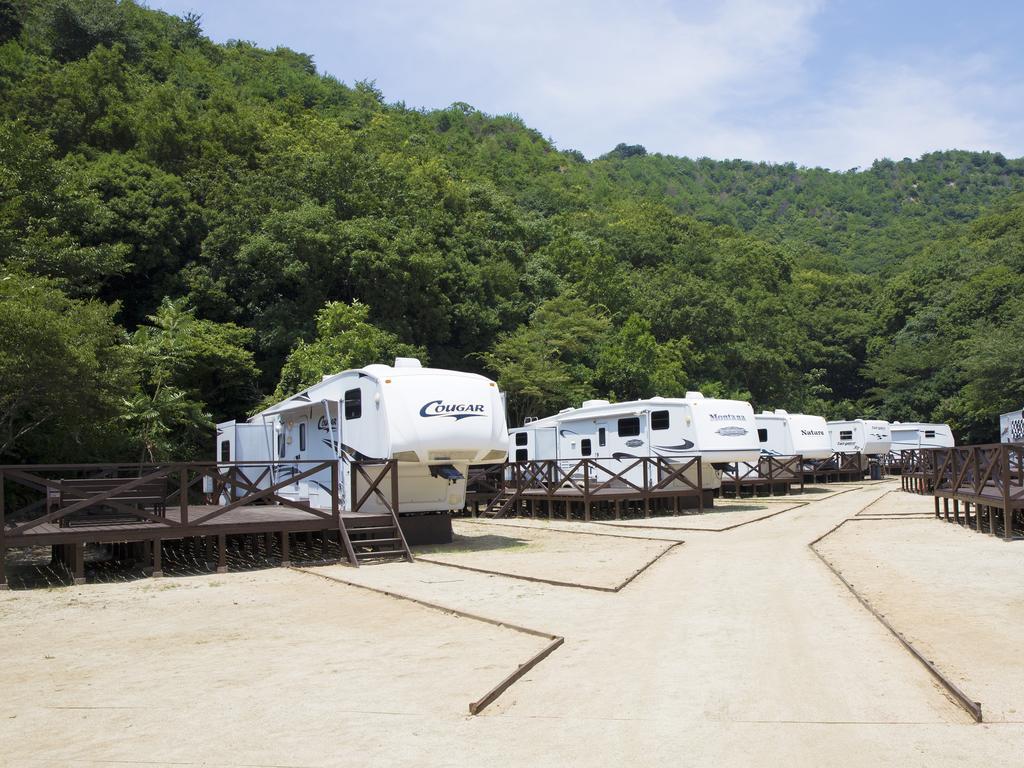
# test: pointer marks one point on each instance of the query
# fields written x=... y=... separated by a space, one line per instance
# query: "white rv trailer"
x=720 y=432
x=793 y=434
x=868 y=437
x=434 y=422
x=1011 y=427
x=909 y=436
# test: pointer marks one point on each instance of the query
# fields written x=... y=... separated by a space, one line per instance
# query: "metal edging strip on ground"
x=508 y=522
x=972 y=707
x=794 y=504
x=554 y=582
x=475 y=707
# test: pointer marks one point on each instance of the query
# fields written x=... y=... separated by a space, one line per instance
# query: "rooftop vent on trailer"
x=407 y=362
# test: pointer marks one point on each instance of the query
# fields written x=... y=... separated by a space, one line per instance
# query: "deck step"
x=380 y=553
x=371 y=529
x=500 y=506
x=373 y=542
x=384 y=528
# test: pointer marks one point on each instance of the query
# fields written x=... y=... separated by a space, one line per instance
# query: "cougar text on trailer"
x=434 y=422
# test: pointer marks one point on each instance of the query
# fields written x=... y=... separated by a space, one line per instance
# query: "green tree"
x=632 y=365
x=10 y=20
x=64 y=370
x=345 y=340
x=38 y=207
x=139 y=160
x=188 y=367
x=993 y=375
x=549 y=363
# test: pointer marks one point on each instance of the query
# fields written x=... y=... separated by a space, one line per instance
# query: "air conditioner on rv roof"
x=407 y=362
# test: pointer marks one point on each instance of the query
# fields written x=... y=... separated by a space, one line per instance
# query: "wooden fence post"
x=183 y=494
x=700 y=486
x=586 y=490
x=1007 y=509
x=335 y=485
x=393 y=469
x=647 y=492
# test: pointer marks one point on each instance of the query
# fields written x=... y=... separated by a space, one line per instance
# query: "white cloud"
x=592 y=74
x=888 y=109
x=721 y=78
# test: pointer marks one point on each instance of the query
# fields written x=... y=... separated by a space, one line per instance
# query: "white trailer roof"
x=329 y=388
x=597 y=408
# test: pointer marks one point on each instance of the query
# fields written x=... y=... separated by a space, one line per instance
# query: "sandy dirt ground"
x=596 y=561
x=726 y=513
x=233 y=669
x=736 y=648
x=957 y=595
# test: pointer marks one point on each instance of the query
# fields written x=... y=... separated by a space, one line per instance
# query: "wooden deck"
x=839 y=468
x=770 y=476
x=588 y=487
x=69 y=506
x=250 y=519
x=980 y=486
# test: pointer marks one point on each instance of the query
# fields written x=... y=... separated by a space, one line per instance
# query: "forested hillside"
x=187 y=229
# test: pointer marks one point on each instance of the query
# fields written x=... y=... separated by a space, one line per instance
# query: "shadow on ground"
x=34 y=568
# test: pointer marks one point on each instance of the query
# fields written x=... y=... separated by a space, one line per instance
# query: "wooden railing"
x=836 y=465
x=593 y=476
x=485 y=478
x=180 y=495
x=768 y=471
x=592 y=480
x=985 y=477
x=367 y=479
x=917 y=468
x=63 y=495
x=986 y=471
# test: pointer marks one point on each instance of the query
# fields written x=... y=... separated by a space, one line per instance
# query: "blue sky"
x=836 y=83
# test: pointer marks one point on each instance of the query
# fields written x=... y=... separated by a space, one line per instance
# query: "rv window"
x=521 y=455
x=225 y=450
x=846 y=434
x=629 y=427
x=601 y=436
x=659 y=420
x=762 y=435
x=929 y=433
x=521 y=438
x=302 y=436
x=353 y=404
x=585 y=447
x=280 y=445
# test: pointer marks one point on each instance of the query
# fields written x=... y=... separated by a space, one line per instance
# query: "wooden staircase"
x=374 y=538
x=501 y=505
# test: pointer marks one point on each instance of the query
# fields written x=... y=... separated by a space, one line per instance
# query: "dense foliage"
x=187 y=229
